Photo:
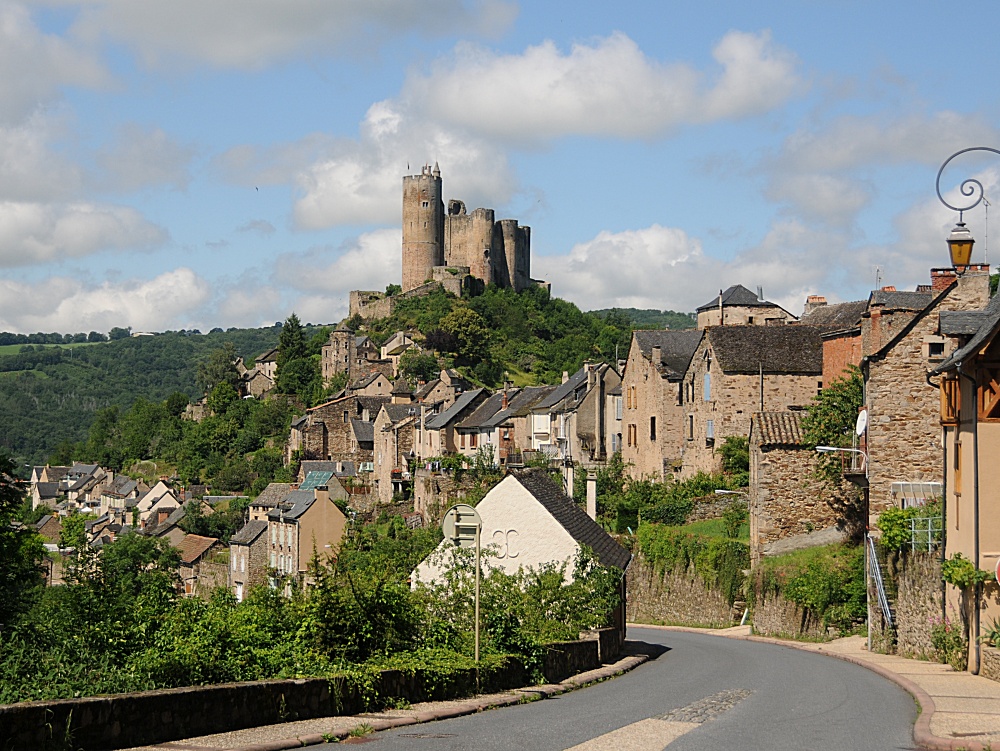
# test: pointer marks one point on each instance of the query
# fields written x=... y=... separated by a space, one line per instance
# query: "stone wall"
x=776 y=616
x=673 y=597
x=918 y=604
x=436 y=492
x=712 y=507
x=989 y=666
x=152 y=717
x=903 y=409
x=787 y=499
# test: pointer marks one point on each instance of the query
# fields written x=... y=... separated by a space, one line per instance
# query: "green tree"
x=471 y=332
x=418 y=366
x=291 y=342
x=218 y=367
x=831 y=418
x=21 y=550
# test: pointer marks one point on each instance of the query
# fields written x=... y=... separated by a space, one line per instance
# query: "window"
x=234 y=559
x=949 y=401
x=628 y=397
x=709 y=432
x=618 y=408
x=274 y=560
x=690 y=426
x=935 y=349
x=243 y=563
x=652 y=428
x=425 y=204
x=461 y=443
x=274 y=535
x=473 y=441
x=707 y=387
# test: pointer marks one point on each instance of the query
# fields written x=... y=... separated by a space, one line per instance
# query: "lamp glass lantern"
x=960 y=243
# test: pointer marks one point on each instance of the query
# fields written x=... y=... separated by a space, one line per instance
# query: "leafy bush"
x=829 y=581
x=719 y=561
x=895 y=524
x=950 y=644
x=960 y=572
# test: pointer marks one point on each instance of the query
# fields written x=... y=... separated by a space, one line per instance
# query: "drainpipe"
x=974 y=636
x=944 y=504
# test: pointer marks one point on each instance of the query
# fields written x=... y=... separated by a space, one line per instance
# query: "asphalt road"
x=702 y=692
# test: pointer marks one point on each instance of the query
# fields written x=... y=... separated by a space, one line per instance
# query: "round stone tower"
x=423 y=226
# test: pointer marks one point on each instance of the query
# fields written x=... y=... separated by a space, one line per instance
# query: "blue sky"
x=173 y=164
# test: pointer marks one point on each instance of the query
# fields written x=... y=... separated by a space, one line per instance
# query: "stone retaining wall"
x=776 y=616
x=918 y=605
x=989 y=666
x=152 y=717
x=673 y=597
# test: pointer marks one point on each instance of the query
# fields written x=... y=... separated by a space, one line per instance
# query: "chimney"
x=321 y=493
x=813 y=302
x=656 y=356
x=592 y=495
x=941 y=279
x=504 y=402
x=565 y=376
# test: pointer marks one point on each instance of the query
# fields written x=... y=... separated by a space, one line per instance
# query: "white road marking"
x=645 y=735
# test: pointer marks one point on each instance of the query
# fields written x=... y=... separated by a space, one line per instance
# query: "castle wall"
x=469 y=241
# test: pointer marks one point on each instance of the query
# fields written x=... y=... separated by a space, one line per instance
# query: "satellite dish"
x=862 y=423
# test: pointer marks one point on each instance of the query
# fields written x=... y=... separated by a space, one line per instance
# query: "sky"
x=182 y=164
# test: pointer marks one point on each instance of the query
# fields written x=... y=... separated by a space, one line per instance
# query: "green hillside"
x=50 y=394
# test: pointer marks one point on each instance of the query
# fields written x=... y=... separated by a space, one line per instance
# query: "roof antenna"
x=986 y=239
x=878 y=277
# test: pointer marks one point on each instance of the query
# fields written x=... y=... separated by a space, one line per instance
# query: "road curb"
x=922 y=734
x=461 y=708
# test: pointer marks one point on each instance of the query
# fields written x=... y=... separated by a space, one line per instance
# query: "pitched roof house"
x=652 y=421
x=738 y=306
x=529 y=522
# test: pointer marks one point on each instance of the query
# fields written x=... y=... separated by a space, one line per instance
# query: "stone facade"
x=395 y=429
x=787 y=499
x=738 y=306
x=652 y=422
x=326 y=434
x=903 y=408
x=737 y=371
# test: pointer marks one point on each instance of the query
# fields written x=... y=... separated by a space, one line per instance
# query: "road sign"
x=460 y=525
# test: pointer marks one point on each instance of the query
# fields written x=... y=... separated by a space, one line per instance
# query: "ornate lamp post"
x=960 y=241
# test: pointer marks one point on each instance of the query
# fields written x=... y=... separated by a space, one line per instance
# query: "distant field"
x=13 y=349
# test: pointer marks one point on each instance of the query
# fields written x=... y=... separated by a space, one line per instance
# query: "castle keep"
x=497 y=252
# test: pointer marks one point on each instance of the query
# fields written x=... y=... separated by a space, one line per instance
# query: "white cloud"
x=655 y=267
x=361 y=182
x=68 y=304
x=141 y=157
x=371 y=261
x=33 y=65
x=32 y=233
x=609 y=88
x=854 y=141
x=252 y=34
x=32 y=171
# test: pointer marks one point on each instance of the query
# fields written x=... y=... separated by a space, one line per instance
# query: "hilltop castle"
x=456 y=250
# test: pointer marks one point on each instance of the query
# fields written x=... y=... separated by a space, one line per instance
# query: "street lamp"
x=960 y=241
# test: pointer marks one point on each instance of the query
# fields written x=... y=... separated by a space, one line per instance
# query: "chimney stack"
x=592 y=495
x=656 y=355
x=941 y=279
x=813 y=302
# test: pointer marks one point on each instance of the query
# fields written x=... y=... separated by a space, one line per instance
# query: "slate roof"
x=779 y=428
x=372 y=403
x=399 y=412
x=676 y=349
x=401 y=387
x=269 y=356
x=194 y=547
x=738 y=295
x=483 y=414
x=364 y=432
x=425 y=389
x=436 y=422
x=273 y=494
x=895 y=300
x=788 y=350
x=563 y=391
x=347 y=469
x=836 y=317
x=47 y=489
x=296 y=421
x=250 y=532
x=990 y=323
x=296 y=503
x=572 y=518
x=367 y=380
x=961 y=322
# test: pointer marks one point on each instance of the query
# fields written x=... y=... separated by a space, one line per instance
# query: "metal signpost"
x=463 y=526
